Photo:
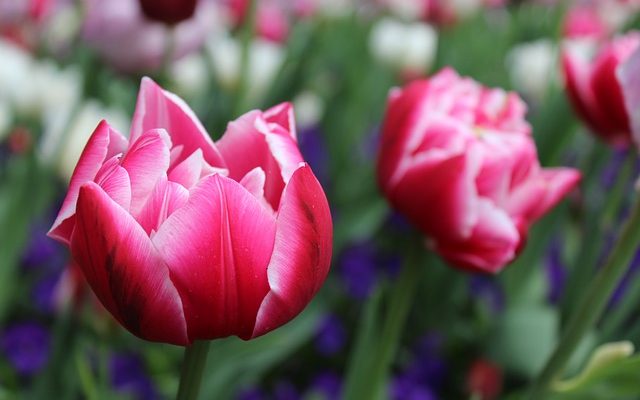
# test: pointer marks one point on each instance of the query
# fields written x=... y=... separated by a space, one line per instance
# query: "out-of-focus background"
x=67 y=64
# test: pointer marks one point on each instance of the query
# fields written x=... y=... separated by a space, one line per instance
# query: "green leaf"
x=525 y=337
x=611 y=373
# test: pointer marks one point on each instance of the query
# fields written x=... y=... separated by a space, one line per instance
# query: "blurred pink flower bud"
x=458 y=160
x=594 y=89
x=185 y=239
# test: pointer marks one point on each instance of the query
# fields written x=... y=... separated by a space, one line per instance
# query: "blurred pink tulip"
x=168 y=11
x=121 y=34
x=594 y=89
x=458 y=160
x=584 y=22
x=184 y=239
x=272 y=17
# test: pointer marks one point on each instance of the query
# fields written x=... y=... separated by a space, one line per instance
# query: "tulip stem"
x=394 y=323
x=195 y=358
x=592 y=304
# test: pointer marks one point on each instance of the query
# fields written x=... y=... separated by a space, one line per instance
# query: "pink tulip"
x=184 y=239
x=272 y=18
x=594 y=89
x=584 y=22
x=121 y=34
x=458 y=160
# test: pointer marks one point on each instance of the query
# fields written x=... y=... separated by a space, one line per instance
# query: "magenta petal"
x=188 y=172
x=439 y=196
x=159 y=109
x=104 y=143
x=537 y=195
x=492 y=245
x=282 y=115
x=114 y=180
x=166 y=197
x=301 y=254
x=124 y=269
x=218 y=247
x=146 y=161
x=244 y=147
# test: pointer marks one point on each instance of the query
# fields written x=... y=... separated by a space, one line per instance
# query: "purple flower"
x=251 y=393
x=314 y=151
x=556 y=271
x=428 y=366
x=43 y=293
x=358 y=270
x=26 y=345
x=611 y=170
x=128 y=376
x=41 y=251
x=362 y=264
x=403 y=388
x=285 y=391
x=330 y=336
x=488 y=290
x=328 y=384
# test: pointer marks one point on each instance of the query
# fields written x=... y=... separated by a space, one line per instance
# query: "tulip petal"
x=282 y=115
x=124 y=269
x=187 y=173
x=254 y=182
x=218 y=247
x=157 y=108
x=245 y=146
x=301 y=254
x=439 y=195
x=492 y=245
x=166 y=197
x=146 y=161
x=115 y=182
x=104 y=143
x=402 y=114
x=577 y=74
x=537 y=195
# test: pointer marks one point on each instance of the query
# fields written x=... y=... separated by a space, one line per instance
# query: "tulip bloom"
x=457 y=159
x=185 y=239
x=168 y=11
x=594 y=89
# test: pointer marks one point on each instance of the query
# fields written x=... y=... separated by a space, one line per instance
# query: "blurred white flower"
x=406 y=47
x=80 y=129
x=309 y=109
x=15 y=69
x=533 y=67
x=265 y=61
x=190 y=75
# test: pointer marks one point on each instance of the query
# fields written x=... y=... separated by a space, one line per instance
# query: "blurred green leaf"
x=610 y=373
x=525 y=337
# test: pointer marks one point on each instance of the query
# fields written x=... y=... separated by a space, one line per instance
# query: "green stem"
x=592 y=304
x=393 y=325
x=195 y=358
x=248 y=32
